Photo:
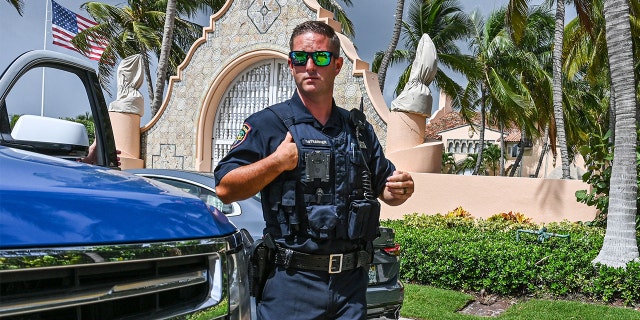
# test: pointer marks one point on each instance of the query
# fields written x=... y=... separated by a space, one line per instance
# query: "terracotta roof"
x=451 y=120
x=512 y=135
x=447 y=121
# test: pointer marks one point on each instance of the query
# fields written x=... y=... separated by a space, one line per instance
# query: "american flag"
x=66 y=24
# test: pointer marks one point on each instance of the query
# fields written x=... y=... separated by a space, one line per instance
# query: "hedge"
x=457 y=252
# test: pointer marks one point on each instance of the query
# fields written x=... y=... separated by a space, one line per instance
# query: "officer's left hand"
x=398 y=189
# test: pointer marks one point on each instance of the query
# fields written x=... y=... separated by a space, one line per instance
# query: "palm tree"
x=511 y=79
x=446 y=23
x=467 y=164
x=557 y=88
x=492 y=158
x=587 y=61
x=163 y=60
x=620 y=244
x=395 y=37
x=18 y=4
x=139 y=28
x=448 y=163
x=516 y=19
x=532 y=101
x=483 y=42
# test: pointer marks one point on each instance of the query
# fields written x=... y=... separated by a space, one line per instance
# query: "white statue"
x=130 y=77
x=416 y=96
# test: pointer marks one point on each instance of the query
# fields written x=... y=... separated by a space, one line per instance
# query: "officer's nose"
x=311 y=66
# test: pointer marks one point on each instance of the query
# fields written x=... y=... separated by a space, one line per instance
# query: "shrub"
x=510 y=216
x=456 y=252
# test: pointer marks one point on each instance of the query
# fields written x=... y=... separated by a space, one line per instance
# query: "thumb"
x=288 y=137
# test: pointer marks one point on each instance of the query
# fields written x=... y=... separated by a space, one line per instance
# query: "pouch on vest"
x=289 y=204
x=364 y=219
x=322 y=220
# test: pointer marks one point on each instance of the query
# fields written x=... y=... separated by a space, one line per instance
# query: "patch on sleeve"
x=242 y=135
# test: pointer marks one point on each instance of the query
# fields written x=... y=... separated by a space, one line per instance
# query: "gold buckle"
x=335 y=259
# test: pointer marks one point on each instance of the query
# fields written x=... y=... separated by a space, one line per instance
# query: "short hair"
x=317 y=27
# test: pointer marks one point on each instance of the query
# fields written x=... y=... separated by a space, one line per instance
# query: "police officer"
x=320 y=171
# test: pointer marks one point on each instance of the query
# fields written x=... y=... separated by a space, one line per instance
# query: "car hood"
x=47 y=201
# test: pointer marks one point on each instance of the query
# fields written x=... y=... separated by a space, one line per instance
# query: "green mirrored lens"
x=321 y=58
x=299 y=58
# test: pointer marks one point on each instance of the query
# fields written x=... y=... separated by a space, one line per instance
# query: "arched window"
x=261 y=85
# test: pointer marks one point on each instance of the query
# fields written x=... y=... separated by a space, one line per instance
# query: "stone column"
x=125 y=112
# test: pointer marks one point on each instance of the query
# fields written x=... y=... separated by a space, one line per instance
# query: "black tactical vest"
x=317 y=199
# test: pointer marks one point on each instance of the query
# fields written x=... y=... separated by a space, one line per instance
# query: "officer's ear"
x=339 y=62
x=290 y=66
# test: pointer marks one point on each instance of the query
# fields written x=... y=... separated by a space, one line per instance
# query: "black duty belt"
x=332 y=263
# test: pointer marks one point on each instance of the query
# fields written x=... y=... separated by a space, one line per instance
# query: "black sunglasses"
x=320 y=58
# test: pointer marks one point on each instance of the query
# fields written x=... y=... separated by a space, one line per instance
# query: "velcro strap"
x=331 y=263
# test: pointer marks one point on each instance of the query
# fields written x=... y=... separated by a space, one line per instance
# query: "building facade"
x=238 y=67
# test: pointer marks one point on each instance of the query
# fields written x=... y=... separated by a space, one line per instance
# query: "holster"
x=261 y=264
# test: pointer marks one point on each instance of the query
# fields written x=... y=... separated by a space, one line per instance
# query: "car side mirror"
x=51 y=136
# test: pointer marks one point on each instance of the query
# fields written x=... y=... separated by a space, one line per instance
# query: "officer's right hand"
x=287 y=153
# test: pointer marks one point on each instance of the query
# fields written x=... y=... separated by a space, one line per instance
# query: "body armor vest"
x=317 y=198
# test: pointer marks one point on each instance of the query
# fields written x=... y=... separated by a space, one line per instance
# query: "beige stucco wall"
x=542 y=200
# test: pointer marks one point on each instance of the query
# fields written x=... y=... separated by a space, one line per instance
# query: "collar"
x=302 y=114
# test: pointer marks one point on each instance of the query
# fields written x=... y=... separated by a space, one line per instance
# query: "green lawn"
x=423 y=302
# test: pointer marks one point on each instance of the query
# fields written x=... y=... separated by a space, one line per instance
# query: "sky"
x=373 y=21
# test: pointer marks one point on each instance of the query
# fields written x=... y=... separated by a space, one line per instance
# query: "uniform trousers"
x=307 y=295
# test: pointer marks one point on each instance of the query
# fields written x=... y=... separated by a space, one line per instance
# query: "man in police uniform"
x=320 y=171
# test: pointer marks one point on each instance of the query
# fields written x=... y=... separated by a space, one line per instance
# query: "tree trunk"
x=163 y=61
x=386 y=59
x=612 y=114
x=502 y=149
x=620 y=244
x=483 y=115
x=543 y=152
x=147 y=73
x=557 y=88
x=516 y=164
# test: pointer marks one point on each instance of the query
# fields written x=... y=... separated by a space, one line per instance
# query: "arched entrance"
x=260 y=85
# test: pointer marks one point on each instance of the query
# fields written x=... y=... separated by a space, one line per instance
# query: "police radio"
x=364 y=214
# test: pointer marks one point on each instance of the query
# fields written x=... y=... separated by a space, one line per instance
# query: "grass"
x=424 y=302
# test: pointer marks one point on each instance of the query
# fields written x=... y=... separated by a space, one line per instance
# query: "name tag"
x=314 y=142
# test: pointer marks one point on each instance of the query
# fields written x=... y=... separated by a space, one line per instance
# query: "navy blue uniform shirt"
x=261 y=135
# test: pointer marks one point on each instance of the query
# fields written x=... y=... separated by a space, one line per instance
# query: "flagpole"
x=44 y=46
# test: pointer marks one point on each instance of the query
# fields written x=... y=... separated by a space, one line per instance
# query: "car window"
x=59 y=116
x=64 y=98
